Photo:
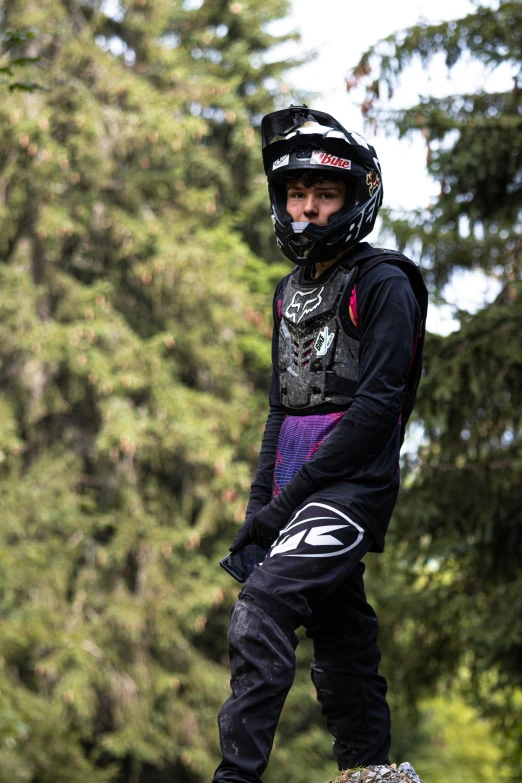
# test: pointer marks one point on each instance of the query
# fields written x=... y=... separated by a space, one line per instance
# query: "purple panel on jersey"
x=299 y=439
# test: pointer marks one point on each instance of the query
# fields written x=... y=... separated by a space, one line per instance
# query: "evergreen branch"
x=10 y=38
x=24 y=60
x=27 y=86
x=9 y=42
x=491 y=35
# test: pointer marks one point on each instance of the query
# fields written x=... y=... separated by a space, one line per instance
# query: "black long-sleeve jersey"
x=350 y=456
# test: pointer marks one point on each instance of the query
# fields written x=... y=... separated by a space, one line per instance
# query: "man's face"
x=316 y=203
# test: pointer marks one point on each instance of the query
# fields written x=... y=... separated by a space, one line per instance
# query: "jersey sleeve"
x=388 y=320
x=261 y=487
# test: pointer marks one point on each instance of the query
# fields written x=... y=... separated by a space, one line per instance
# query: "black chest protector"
x=318 y=359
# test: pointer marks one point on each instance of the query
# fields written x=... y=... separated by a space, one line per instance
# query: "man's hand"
x=263 y=527
x=243 y=537
x=259 y=529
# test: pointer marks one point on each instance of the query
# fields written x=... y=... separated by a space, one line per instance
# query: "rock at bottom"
x=404 y=773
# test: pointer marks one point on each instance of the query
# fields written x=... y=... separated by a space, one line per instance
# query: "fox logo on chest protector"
x=303 y=302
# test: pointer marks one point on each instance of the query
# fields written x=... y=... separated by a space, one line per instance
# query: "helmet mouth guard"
x=300 y=141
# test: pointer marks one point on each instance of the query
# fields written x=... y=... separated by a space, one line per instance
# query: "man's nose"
x=310 y=206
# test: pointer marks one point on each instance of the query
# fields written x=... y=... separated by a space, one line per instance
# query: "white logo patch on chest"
x=323 y=342
x=303 y=302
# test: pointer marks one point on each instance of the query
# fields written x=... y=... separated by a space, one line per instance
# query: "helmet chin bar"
x=303 y=246
x=302 y=249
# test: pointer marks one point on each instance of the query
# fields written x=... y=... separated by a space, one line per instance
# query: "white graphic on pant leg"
x=292 y=542
x=293 y=523
x=288 y=543
x=315 y=536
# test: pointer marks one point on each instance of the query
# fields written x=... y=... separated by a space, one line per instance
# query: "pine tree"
x=457 y=536
x=134 y=358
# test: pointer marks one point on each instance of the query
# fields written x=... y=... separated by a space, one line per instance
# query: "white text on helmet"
x=325 y=159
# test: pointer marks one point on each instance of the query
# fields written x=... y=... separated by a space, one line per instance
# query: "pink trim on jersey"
x=313 y=448
x=353 y=305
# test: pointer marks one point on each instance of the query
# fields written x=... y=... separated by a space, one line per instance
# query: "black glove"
x=243 y=537
x=255 y=504
x=263 y=527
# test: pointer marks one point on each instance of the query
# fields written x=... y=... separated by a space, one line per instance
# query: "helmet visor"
x=281 y=124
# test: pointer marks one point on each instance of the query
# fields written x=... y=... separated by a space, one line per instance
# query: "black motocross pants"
x=312 y=576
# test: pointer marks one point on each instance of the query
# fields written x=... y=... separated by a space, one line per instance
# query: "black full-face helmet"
x=298 y=142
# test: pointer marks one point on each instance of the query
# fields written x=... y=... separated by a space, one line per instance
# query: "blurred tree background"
x=451 y=602
x=137 y=271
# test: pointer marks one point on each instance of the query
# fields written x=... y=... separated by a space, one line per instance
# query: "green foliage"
x=457 y=743
x=134 y=333
x=457 y=526
x=473 y=143
x=11 y=41
x=134 y=362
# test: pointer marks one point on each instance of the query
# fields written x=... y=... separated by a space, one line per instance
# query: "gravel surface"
x=404 y=773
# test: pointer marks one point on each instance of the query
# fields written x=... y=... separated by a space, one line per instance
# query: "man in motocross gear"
x=349 y=323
